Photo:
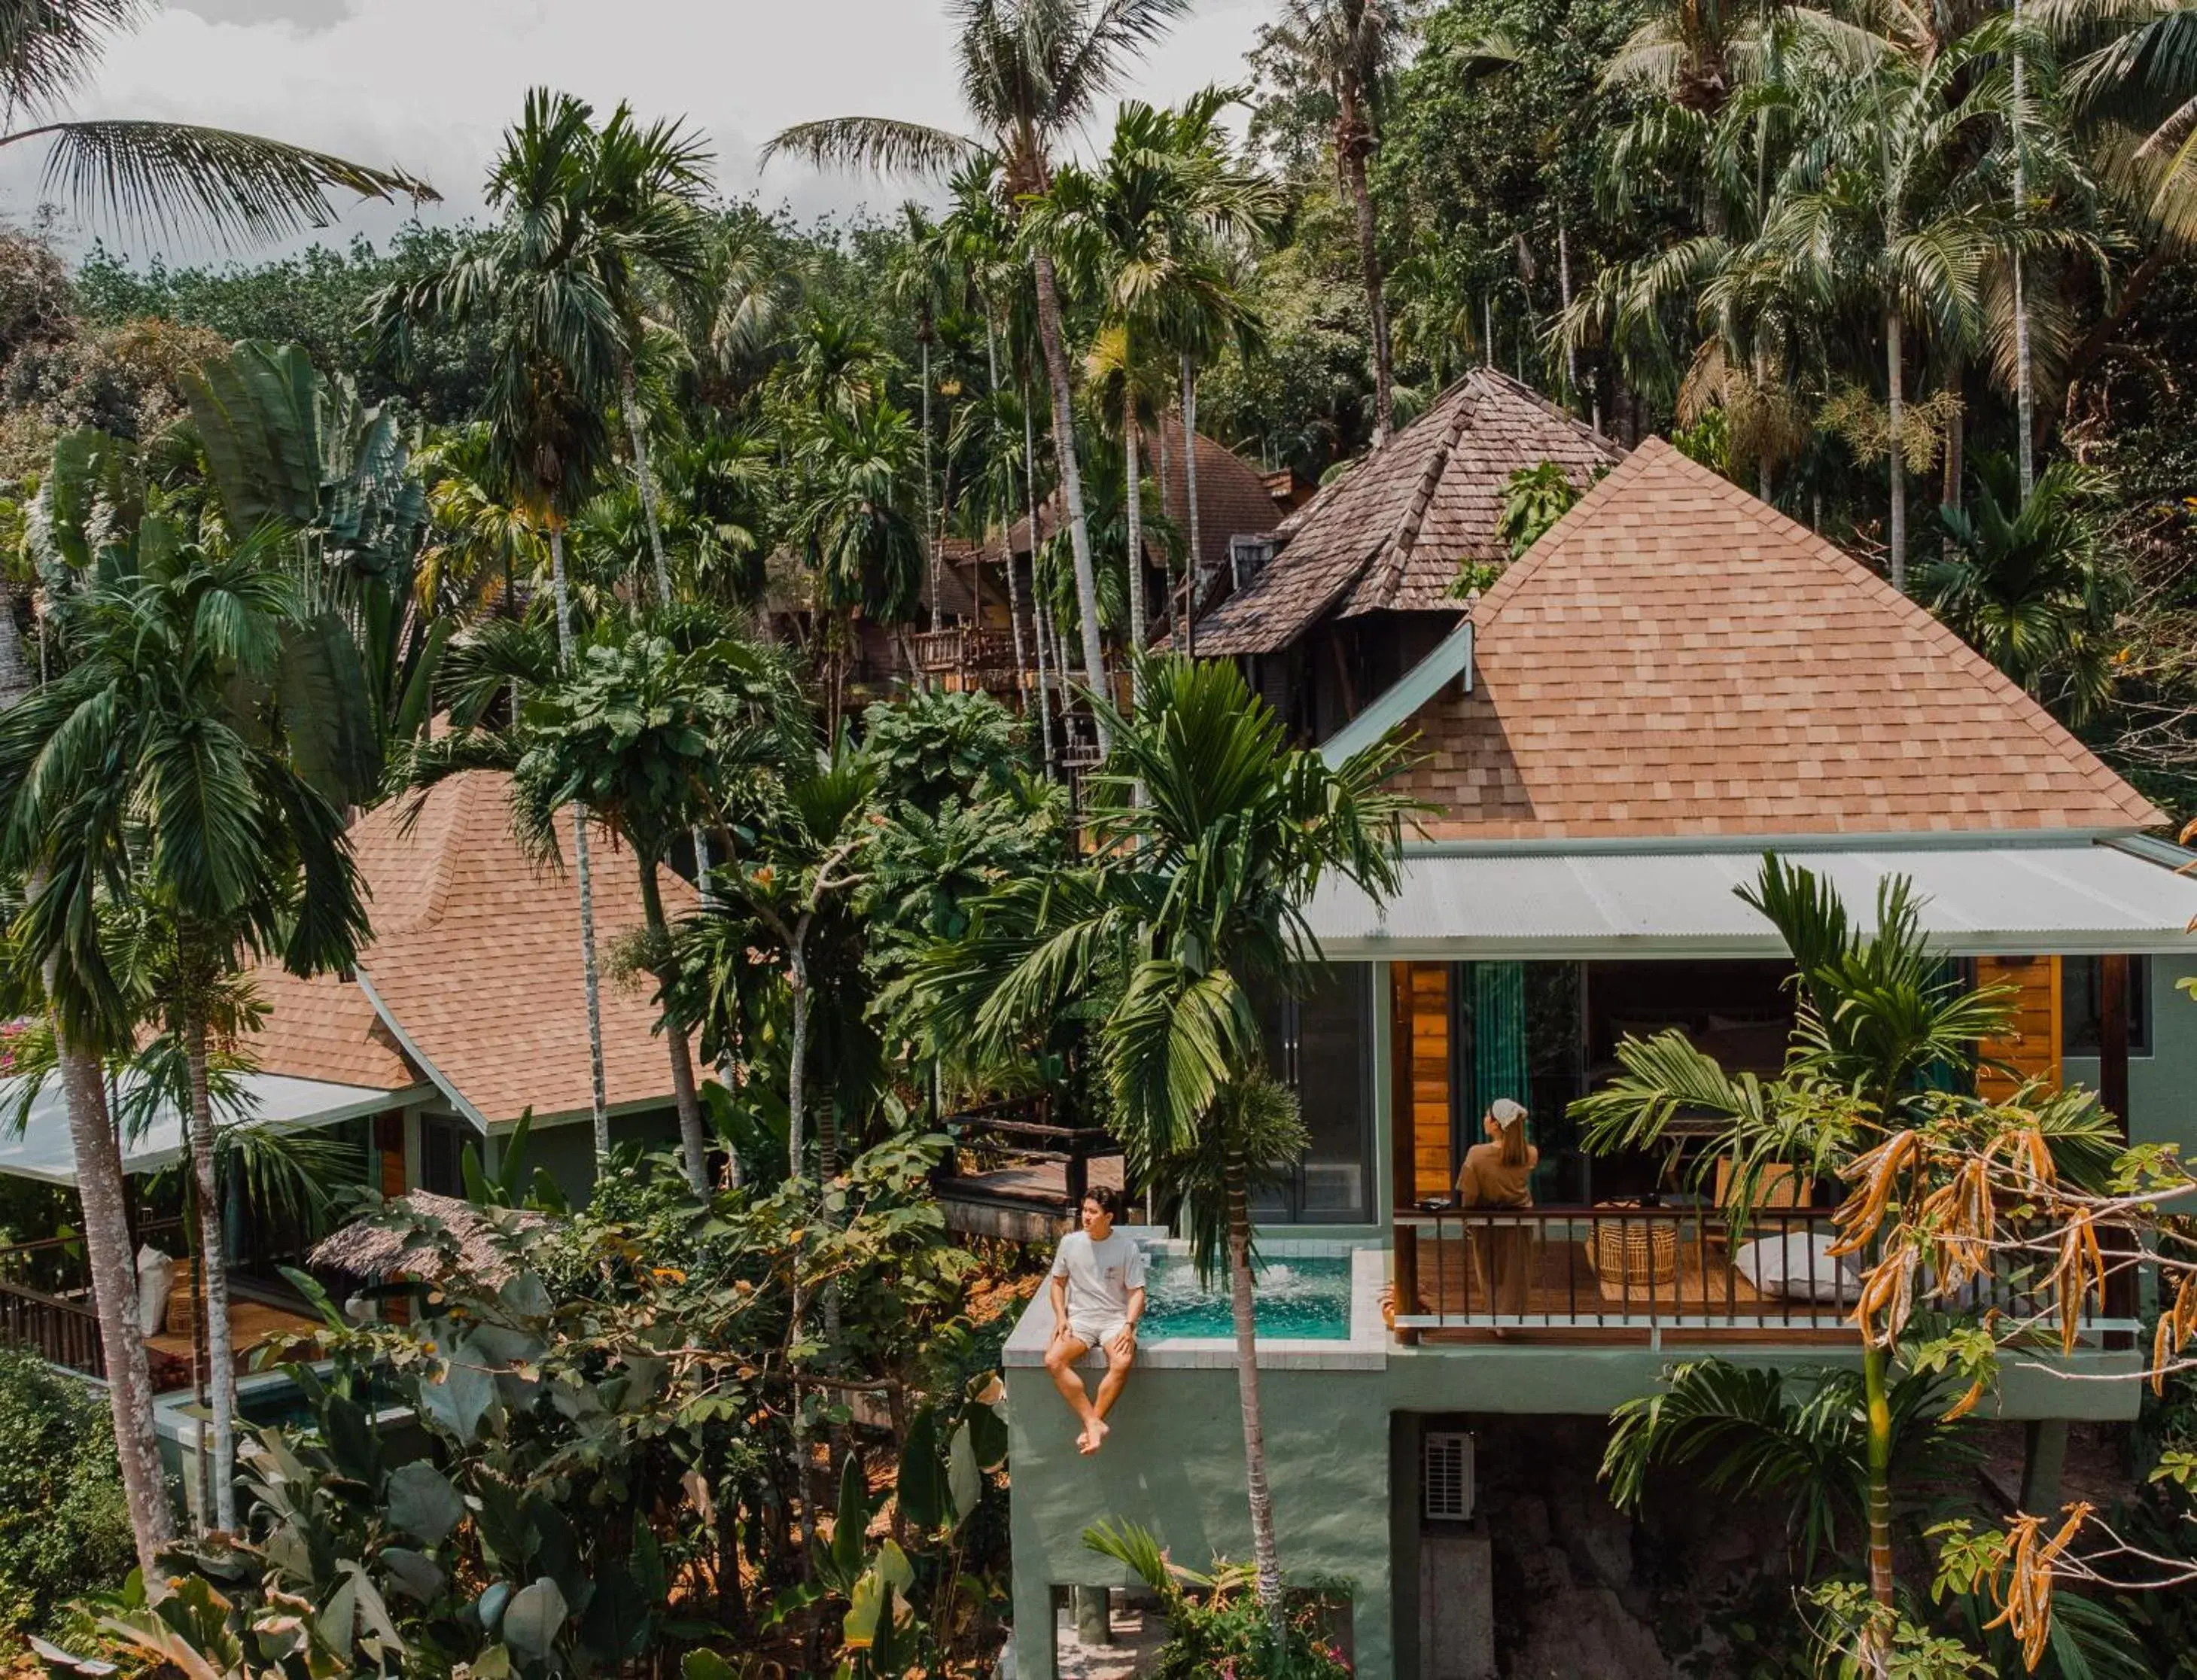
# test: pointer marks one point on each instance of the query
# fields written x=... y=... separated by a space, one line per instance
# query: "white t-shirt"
x=1100 y=1275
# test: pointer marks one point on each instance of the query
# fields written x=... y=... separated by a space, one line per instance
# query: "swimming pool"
x=1299 y=1297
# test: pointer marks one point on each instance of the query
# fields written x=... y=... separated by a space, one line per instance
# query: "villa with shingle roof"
x=1673 y=680
x=467 y=1005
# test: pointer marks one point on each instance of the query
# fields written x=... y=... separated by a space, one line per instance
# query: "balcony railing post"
x=1407 y=1279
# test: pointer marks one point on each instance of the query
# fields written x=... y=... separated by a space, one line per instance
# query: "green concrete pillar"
x=1094 y=1622
x=2044 y=1452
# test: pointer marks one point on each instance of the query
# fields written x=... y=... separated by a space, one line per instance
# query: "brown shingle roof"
x=1391 y=534
x=475 y=954
x=1675 y=657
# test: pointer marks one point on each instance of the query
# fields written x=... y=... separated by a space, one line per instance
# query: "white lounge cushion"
x=156 y=1279
x=1799 y=1265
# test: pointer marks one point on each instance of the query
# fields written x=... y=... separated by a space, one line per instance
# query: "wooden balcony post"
x=2113 y=1039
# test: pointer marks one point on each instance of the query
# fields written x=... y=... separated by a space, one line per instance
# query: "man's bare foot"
x=1093 y=1437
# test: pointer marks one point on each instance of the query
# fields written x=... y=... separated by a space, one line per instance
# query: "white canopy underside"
x=2069 y=899
x=42 y=1150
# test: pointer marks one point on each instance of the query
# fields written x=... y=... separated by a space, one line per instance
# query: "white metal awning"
x=41 y=1149
x=2030 y=899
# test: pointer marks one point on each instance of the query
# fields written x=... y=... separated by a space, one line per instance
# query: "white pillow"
x=1800 y=1266
x=156 y=1279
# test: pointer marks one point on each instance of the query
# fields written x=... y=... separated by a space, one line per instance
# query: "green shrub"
x=64 y=1526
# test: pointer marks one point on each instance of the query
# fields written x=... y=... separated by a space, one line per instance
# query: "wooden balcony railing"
x=1688 y=1272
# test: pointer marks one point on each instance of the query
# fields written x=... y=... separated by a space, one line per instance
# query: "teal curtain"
x=1498 y=991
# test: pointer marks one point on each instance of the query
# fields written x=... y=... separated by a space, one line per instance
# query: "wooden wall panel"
x=1429 y=1013
x=2032 y=1043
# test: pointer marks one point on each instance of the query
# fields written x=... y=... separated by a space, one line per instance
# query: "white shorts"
x=1095 y=1332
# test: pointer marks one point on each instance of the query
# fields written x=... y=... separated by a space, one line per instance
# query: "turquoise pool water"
x=1296 y=1297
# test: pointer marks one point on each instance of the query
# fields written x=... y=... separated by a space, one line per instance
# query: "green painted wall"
x=2162 y=1086
x=1176 y=1463
x=568 y=1152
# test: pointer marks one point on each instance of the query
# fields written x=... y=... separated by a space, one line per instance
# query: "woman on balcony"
x=1498 y=1174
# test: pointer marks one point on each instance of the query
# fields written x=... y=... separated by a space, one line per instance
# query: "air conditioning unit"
x=1446 y=1476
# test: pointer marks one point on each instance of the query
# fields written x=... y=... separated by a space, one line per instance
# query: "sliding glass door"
x=1320 y=1044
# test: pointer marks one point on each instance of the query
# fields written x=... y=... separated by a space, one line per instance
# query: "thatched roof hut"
x=380 y=1249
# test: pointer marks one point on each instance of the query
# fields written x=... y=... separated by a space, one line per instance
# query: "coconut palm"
x=1352 y=47
x=1190 y=908
x=148 y=762
x=1032 y=72
x=920 y=276
x=164 y=177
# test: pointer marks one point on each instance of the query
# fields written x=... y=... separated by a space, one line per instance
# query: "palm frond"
x=880 y=145
x=174 y=178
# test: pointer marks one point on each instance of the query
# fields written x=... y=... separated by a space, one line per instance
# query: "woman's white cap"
x=1505 y=1112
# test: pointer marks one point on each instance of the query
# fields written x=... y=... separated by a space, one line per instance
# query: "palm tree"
x=165 y=176
x=1879 y=1023
x=536 y=284
x=2029 y=584
x=644 y=191
x=148 y=756
x=1032 y=72
x=1136 y=230
x=1350 y=47
x=920 y=276
x=850 y=518
x=1190 y=908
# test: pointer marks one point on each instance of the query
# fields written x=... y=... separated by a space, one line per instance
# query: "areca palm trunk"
x=1189 y=498
x=1895 y=527
x=1264 y=1556
x=1071 y=490
x=693 y=1142
x=796 y=1079
x=2025 y=390
x=1136 y=516
x=1874 y=1364
x=213 y=1263
x=98 y=1160
x=1352 y=143
x=629 y=400
x=599 y=1111
x=15 y=678
x=1040 y=609
x=929 y=519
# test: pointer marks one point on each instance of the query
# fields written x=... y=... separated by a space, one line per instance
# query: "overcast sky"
x=429 y=84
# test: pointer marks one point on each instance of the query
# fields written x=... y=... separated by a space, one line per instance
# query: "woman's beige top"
x=1485 y=1182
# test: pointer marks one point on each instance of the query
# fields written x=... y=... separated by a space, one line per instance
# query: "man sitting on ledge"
x=1097 y=1296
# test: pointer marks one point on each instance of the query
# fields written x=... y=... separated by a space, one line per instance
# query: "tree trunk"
x=1896 y=528
x=1040 y=611
x=1571 y=349
x=1072 y=491
x=213 y=1263
x=1265 y=1558
x=1874 y=1364
x=16 y=679
x=98 y=1160
x=601 y=1101
x=1014 y=591
x=2024 y=389
x=1135 y=492
x=796 y=1077
x=1190 y=500
x=693 y=1140
x=929 y=518
x=1352 y=144
x=630 y=399
x=1956 y=462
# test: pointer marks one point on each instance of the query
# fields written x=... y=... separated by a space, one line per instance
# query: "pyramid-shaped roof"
x=1676 y=658
x=475 y=959
x=1391 y=535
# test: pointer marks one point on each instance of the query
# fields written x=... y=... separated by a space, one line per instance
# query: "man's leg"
x=1109 y=1385
x=1060 y=1359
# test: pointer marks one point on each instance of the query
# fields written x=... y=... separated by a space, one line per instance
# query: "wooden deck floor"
x=251 y=1323
x=1026 y=1203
